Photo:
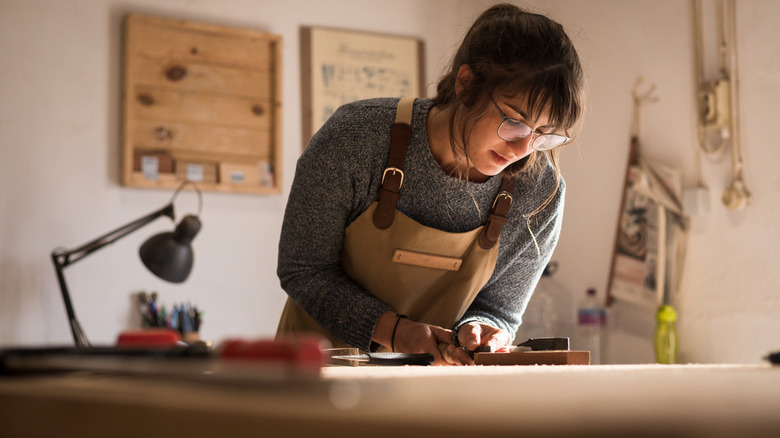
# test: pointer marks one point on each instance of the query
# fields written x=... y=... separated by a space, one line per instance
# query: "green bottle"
x=666 y=335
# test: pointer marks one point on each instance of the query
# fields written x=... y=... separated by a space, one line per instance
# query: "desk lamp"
x=168 y=255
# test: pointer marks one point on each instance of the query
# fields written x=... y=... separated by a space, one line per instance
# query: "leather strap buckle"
x=394 y=170
x=504 y=194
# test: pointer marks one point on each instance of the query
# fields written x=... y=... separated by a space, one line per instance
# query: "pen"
x=196 y=318
x=153 y=314
x=175 y=318
x=143 y=309
x=182 y=327
x=187 y=320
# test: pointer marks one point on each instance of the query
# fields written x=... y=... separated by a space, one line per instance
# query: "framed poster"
x=342 y=66
x=650 y=239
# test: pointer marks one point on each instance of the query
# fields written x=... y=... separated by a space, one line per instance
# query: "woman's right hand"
x=406 y=336
x=418 y=337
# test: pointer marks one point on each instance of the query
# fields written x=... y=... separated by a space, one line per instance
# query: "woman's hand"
x=474 y=334
x=471 y=336
x=407 y=336
x=418 y=337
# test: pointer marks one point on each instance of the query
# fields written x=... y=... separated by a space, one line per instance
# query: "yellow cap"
x=666 y=313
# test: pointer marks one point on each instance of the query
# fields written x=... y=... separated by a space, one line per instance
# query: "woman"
x=423 y=226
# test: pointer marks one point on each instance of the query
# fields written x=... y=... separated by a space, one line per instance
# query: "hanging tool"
x=717 y=100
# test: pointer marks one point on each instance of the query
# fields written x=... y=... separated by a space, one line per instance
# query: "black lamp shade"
x=169 y=255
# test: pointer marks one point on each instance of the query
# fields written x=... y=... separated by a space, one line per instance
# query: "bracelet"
x=392 y=339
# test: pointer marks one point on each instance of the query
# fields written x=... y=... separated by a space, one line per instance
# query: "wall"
x=59 y=168
x=59 y=165
x=729 y=302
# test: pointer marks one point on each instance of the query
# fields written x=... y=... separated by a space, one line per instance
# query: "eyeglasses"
x=515 y=130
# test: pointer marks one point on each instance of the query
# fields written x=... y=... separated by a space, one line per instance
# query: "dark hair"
x=514 y=52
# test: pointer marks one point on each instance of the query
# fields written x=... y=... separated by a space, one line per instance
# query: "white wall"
x=59 y=167
x=729 y=302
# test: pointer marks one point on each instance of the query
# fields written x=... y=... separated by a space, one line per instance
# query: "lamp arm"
x=63 y=258
x=68 y=257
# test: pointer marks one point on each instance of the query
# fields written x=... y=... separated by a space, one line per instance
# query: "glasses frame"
x=533 y=134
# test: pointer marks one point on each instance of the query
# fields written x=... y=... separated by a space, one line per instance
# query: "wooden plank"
x=256 y=173
x=197 y=171
x=166 y=181
x=204 y=78
x=304 y=36
x=206 y=28
x=164 y=160
x=557 y=357
x=185 y=41
x=129 y=81
x=182 y=137
x=276 y=129
x=150 y=103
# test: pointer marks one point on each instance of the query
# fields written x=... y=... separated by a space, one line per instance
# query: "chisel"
x=353 y=357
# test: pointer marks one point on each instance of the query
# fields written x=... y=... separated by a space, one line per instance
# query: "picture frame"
x=339 y=66
x=651 y=235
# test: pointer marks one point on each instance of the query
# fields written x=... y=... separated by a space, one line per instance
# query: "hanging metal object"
x=717 y=100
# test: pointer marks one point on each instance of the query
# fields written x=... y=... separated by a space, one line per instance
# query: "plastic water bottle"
x=591 y=319
x=666 y=335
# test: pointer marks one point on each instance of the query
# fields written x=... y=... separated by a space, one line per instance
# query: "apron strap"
x=498 y=214
x=393 y=176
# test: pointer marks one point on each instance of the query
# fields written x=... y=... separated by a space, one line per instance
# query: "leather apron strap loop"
x=393 y=176
x=498 y=214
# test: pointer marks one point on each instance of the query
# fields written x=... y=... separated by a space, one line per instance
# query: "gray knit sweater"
x=338 y=177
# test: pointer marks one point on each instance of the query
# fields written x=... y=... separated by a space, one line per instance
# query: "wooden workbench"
x=652 y=400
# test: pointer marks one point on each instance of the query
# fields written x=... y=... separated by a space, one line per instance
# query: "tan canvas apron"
x=428 y=274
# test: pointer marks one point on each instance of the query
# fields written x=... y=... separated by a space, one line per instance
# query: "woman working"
x=418 y=223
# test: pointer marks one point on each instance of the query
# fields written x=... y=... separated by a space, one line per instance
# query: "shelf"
x=201 y=102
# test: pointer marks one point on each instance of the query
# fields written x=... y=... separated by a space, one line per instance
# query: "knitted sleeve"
x=332 y=178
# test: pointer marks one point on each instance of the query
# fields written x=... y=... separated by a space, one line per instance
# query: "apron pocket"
x=426 y=260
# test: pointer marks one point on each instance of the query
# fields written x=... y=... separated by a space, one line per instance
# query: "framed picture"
x=651 y=235
x=342 y=66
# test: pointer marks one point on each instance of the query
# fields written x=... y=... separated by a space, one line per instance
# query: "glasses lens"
x=513 y=130
x=548 y=141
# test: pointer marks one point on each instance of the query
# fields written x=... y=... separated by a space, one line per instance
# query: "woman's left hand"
x=474 y=334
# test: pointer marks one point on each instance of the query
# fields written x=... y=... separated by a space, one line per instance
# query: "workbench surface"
x=608 y=400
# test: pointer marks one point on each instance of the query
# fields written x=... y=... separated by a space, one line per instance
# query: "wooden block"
x=152 y=164
x=164 y=160
x=197 y=171
x=256 y=174
x=556 y=357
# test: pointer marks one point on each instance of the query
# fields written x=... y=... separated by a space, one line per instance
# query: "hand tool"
x=546 y=344
x=533 y=344
x=353 y=357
